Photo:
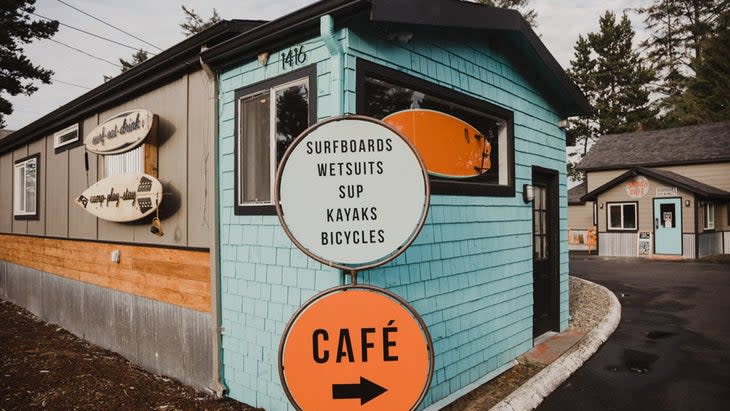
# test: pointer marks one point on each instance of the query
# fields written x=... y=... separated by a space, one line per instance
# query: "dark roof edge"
x=302 y=19
x=178 y=59
x=450 y=13
x=660 y=164
x=456 y=13
x=593 y=195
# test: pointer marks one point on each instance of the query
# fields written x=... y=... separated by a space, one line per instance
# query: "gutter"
x=217 y=386
x=327 y=31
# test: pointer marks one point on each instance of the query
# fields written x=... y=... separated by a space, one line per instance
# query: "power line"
x=88 y=54
x=90 y=34
x=55 y=80
x=108 y=24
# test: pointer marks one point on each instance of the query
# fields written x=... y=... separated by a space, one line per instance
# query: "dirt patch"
x=42 y=366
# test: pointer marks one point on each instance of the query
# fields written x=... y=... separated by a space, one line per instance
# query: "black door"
x=545 y=252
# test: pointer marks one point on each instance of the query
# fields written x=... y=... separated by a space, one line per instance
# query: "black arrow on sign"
x=366 y=390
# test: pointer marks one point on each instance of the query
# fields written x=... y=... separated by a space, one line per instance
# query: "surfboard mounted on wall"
x=449 y=146
x=122 y=198
x=121 y=133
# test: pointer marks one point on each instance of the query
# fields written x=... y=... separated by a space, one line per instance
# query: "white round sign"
x=351 y=192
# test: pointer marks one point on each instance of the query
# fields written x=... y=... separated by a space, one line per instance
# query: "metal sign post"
x=352 y=193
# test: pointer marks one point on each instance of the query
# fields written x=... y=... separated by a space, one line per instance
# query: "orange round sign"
x=356 y=348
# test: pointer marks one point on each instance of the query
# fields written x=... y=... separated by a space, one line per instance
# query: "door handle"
x=656 y=223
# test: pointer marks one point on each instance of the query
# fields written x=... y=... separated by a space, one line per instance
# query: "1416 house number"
x=294 y=57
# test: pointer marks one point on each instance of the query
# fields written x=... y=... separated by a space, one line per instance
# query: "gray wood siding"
x=201 y=175
x=56 y=188
x=688 y=245
x=596 y=179
x=185 y=166
x=580 y=217
x=6 y=196
x=38 y=227
x=81 y=224
x=715 y=174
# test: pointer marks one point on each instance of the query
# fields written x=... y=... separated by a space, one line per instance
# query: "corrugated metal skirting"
x=163 y=338
x=710 y=244
x=617 y=244
x=688 y=245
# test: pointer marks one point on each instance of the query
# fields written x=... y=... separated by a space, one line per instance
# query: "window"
x=709 y=216
x=539 y=228
x=622 y=216
x=269 y=116
x=26 y=188
x=65 y=137
x=132 y=161
x=382 y=91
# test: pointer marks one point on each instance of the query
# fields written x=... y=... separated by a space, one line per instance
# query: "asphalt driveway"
x=671 y=350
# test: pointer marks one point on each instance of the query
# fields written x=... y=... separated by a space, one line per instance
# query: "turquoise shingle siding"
x=469 y=273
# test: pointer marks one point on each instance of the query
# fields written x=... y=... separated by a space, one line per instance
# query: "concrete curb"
x=531 y=394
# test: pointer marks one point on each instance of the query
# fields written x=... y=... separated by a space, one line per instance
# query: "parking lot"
x=672 y=348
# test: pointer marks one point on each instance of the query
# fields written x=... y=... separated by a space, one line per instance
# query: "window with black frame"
x=382 y=92
x=26 y=186
x=269 y=116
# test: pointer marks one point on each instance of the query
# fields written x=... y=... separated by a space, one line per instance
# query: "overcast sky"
x=156 y=21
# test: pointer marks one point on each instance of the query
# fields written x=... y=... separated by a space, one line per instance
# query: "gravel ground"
x=43 y=366
x=588 y=305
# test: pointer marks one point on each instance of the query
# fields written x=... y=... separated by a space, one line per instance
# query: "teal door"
x=668 y=226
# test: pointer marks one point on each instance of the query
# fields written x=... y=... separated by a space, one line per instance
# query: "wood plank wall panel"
x=57 y=198
x=201 y=174
x=6 y=198
x=81 y=223
x=179 y=277
x=38 y=227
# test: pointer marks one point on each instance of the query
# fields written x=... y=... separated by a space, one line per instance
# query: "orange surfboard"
x=449 y=146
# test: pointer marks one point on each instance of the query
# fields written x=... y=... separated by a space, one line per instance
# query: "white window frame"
x=56 y=136
x=709 y=210
x=20 y=204
x=273 y=165
x=623 y=219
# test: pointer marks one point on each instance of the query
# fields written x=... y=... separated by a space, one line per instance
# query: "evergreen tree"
x=678 y=30
x=138 y=57
x=614 y=79
x=707 y=98
x=520 y=5
x=16 y=29
x=666 y=45
x=194 y=24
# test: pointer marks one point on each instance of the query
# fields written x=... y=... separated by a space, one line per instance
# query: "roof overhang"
x=436 y=13
x=158 y=70
x=693 y=186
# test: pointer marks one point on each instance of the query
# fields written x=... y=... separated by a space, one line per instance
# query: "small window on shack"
x=269 y=116
x=26 y=186
x=382 y=91
x=65 y=137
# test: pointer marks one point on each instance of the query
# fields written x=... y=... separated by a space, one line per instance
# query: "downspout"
x=327 y=32
x=217 y=386
x=337 y=85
